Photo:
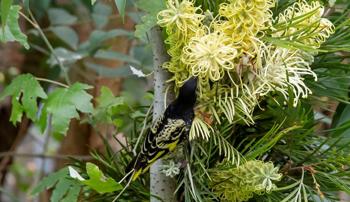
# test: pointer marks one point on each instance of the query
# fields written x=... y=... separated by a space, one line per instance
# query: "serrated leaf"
x=97 y=38
x=5 y=10
x=98 y=181
x=64 y=103
x=25 y=90
x=73 y=194
x=11 y=31
x=101 y=70
x=105 y=102
x=61 y=189
x=148 y=21
x=49 y=181
x=113 y=55
x=65 y=56
x=67 y=35
x=59 y=16
x=121 y=4
x=100 y=15
x=64 y=188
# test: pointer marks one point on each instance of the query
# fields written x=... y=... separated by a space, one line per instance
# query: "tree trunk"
x=160 y=185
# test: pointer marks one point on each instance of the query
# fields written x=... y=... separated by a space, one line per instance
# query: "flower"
x=209 y=55
x=284 y=69
x=244 y=20
x=242 y=182
x=181 y=17
x=171 y=169
x=304 y=23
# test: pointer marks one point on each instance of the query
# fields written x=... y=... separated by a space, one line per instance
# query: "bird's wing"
x=157 y=123
x=170 y=134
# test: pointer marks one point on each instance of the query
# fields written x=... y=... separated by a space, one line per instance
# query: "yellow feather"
x=173 y=145
x=136 y=175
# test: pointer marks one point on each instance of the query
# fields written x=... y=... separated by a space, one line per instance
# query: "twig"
x=42 y=155
x=52 y=81
x=142 y=130
x=35 y=24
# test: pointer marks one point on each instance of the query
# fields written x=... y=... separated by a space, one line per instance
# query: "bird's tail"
x=134 y=168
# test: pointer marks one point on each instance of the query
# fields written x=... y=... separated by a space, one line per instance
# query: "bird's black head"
x=187 y=92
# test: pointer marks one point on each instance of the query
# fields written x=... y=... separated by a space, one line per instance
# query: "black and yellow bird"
x=167 y=131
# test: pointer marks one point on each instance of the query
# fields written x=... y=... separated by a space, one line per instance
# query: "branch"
x=44 y=156
x=20 y=135
x=161 y=185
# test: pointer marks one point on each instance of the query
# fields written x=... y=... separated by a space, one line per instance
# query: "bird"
x=167 y=131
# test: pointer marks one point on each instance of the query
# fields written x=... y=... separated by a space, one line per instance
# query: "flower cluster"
x=241 y=183
x=210 y=55
x=292 y=24
x=234 y=56
x=244 y=20
x=284 y=69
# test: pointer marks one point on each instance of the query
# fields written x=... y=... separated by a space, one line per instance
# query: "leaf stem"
x=52 y=81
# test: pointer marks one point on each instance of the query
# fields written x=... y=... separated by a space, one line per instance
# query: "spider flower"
x=303 y=22
x=282 y=70
x=240 y=183
x=209 y=55
x=180 y=16
x=245 y=19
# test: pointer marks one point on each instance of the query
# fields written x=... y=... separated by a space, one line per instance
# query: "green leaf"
x=65 y=56
x=97 y=38
x=93 y=2
x=61 y=17
x=64 y=188
x=25 y=90
x=67 y=35
x=121 y=4
x=100 y=15
x=61 y=188
x=105 y=103
x=11 y=31
x=63 y=104
x=5 y=10
x=26 y=4
x=109 y=72
x=113 y=55
x=152 y=8
x=98 y=181
x=49 y=181
x=73 y=194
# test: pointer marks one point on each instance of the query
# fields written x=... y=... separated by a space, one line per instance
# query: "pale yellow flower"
x=284 y=69
x=209 y=55
x=303 y=22
x=183 y=16
x=240 y=183
x=243 y=20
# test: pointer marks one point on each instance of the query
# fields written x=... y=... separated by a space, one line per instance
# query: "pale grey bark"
x=160 y=185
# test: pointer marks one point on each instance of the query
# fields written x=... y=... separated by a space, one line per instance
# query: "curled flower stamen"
x=210 y=55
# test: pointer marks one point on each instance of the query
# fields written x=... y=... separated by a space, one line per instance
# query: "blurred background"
x=98 y=47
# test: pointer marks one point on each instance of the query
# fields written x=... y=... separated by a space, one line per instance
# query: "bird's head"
x=187 y=92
